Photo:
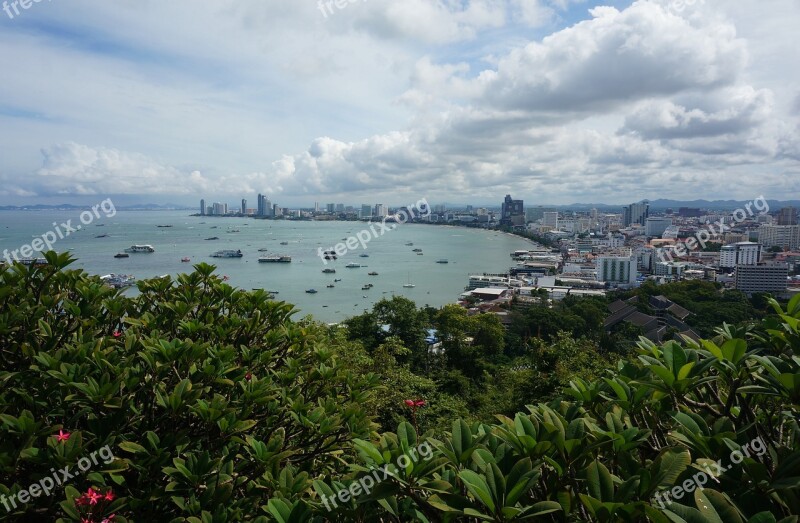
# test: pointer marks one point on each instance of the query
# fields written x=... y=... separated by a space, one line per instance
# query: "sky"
x=392 y=101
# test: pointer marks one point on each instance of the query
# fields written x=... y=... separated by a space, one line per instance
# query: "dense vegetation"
x=219 y=407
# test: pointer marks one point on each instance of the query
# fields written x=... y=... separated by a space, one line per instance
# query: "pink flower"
x=63 y=436
x=109 y=519
x=409 y=403
x=117 y=334
x=414 y=404
x=419 y=403
x=81 y=501
x=93 y=496
x=109 y=496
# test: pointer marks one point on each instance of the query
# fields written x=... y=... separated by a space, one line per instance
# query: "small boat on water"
x=274 y=259
x=337 y=279
x=228 y=253
x=263 y=250
x=186 y=259
x=416 y=250
x=163 y=226
x=365 y=255
x=419 y=254
x=409 y=285
x=122 y=255
x=311 y=291
x=212 y=238
x=284 y=243
x=140 y=248
x=329 y=271
x=353 y=266
x=102 y=236
x=442 y=261
x=331 y=286
x=373 y=273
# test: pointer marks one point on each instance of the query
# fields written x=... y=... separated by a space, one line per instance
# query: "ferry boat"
x=275 y=259
x=122 y=255
x=140 y=248
x=353 y=265
x=118 y=281
x=228 y=253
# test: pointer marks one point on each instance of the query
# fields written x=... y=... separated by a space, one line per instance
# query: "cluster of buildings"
x=591 y=252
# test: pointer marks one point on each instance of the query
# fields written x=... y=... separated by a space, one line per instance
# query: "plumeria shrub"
x=212 y=400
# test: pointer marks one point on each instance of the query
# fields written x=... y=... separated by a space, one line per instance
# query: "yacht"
x=140 y=248
x=275 y=259
x=409 y=285
x=228 y=253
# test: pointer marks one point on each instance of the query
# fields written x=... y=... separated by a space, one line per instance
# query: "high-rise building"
x=316 y=206
x=366 y=211
x=260 y=205
x=763 y=277
x=742 y=253
x=512 y=212
x=220 y=209
x=339 y=207
x=331 y=207
x=381 y=210
x=787 y=216
x=656 y=225
x=635 y=213
x=202 y=207
x=550 y=219
x=783 y=236
x=244 y=206
x=618 y=269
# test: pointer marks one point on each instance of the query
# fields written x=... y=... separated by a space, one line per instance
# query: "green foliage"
x=212 y=400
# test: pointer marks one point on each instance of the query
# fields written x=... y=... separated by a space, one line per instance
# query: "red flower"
x=82 y=501
x=87 y=520
x=63 y=436
x=93 y=496
x=414 y=404
x=419 y=403
x=109 y=496
x=409 y=403
x=248 y=376
x=117 y=334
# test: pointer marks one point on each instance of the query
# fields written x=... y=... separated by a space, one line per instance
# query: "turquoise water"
x=468 y=251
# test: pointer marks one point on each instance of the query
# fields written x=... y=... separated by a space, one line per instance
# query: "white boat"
x=140 y=248
x=228 y=253
x=409 y=285
x=275 y=259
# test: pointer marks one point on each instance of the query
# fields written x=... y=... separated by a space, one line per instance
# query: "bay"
x=468 y=251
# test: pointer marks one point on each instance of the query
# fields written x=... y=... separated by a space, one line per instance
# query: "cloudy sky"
x=553 y=101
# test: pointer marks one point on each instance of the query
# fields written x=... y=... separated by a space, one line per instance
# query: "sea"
x=177 y=234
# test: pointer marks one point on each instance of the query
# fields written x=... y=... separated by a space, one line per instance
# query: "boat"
x=311 y=291
x=366 y=288
x=329 y=271
x=353 y=265
x=213 y=238
x=331 y=286
x=365 y=255
x=409 y=285
x=442 y=261
x=102 y=236
x=163 y=226
x=140 y=248
x=337 y=280
x=284 y=243
x=373 y=273
x=419 y=254
x=118 y=281
x=263 y=250
x=233 y=230
x=409 y=244
x=228 y=253
x=274 y=258
x=122 y=255
x=416 y=250
x=186 y=259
